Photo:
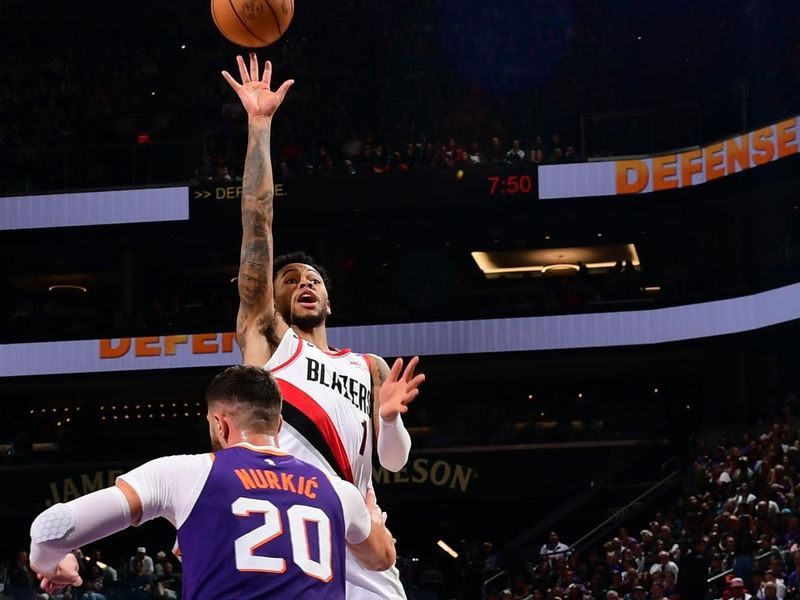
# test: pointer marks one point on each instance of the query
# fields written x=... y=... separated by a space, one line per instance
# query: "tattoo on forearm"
x=257 y=179
x=255 y=263
x=256 y=309
x=253 y=281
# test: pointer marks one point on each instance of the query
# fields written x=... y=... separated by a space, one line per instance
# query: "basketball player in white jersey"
x=335 y=401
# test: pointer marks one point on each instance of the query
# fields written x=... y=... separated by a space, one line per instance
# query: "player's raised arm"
x=392 y=393
x=258 y=327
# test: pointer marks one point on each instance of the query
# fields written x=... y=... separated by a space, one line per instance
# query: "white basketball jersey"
x=327 y=408
x=327 y=421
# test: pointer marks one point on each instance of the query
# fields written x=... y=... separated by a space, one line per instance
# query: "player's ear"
x=221 y=427
x=328 y=308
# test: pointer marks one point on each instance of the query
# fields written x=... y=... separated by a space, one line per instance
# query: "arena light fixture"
x=447 y=548
x=66 y=287
x=560 y=267
x=493 y=264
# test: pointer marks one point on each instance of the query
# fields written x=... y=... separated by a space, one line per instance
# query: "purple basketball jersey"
x=265 y=525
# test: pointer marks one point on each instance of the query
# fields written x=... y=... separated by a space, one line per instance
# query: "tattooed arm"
x=391 y=395
x=258 y=327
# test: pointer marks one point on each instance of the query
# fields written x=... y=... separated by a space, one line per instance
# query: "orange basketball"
x=252 y=23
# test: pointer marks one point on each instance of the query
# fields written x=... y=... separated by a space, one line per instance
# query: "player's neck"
x=254 y=439
x=317 y=336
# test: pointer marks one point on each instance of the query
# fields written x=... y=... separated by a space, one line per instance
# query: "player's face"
x=301 y=297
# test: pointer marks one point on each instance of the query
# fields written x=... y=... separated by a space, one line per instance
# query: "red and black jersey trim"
x=311 y=421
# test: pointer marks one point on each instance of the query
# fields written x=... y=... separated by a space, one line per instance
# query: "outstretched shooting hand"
x=256 y=96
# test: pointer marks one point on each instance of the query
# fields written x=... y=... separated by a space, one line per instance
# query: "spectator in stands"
x=94 y=584
x=765 y=544
x=793 y=581
x=769 y=591
x=670 y=544
x=629 y=580
x=574 y=591
x=352 y=145
x=770 y=580
x=495 y=154
x=657 y=591
x=553 y=549
x=648 y=543
x=743 y=496
x=743 y=472
x=141 y=556
x=571 y=156
x=638 y=593
x=21 y=580
x=776 y=565
x=738 y=591
x=168 y=585
x=348 y=168
x=556 y=157
x=475 y=155
x=139 y=583
x=109 y=572
x=158 y=566
x=664 y=565
x=729 y=549
x=516 y=154
x=535 y=157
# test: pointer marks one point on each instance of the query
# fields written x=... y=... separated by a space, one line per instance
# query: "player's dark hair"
x=252 y=390
x=300 y=256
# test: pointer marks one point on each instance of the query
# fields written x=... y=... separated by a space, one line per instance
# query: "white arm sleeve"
x=168 y=487
x=394 y=444
x=64 y=527
x=357 y=521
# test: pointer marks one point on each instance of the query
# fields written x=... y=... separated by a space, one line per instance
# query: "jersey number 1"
x=299 y=515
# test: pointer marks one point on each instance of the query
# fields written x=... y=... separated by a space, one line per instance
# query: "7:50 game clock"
x=511 y=184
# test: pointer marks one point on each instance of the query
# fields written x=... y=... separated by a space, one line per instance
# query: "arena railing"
x=617 y=516
x=494 y=577
x=623 y=512
x=729 y=571
x=601 y=481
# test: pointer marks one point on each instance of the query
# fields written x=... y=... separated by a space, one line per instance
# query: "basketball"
x=252 y=23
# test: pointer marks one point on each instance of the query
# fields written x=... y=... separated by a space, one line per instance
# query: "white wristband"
x=397 y=420
x=394 y=444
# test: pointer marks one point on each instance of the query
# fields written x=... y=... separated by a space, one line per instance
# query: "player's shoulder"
x=183 y=461
x=378 y=367
x=286 y=349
